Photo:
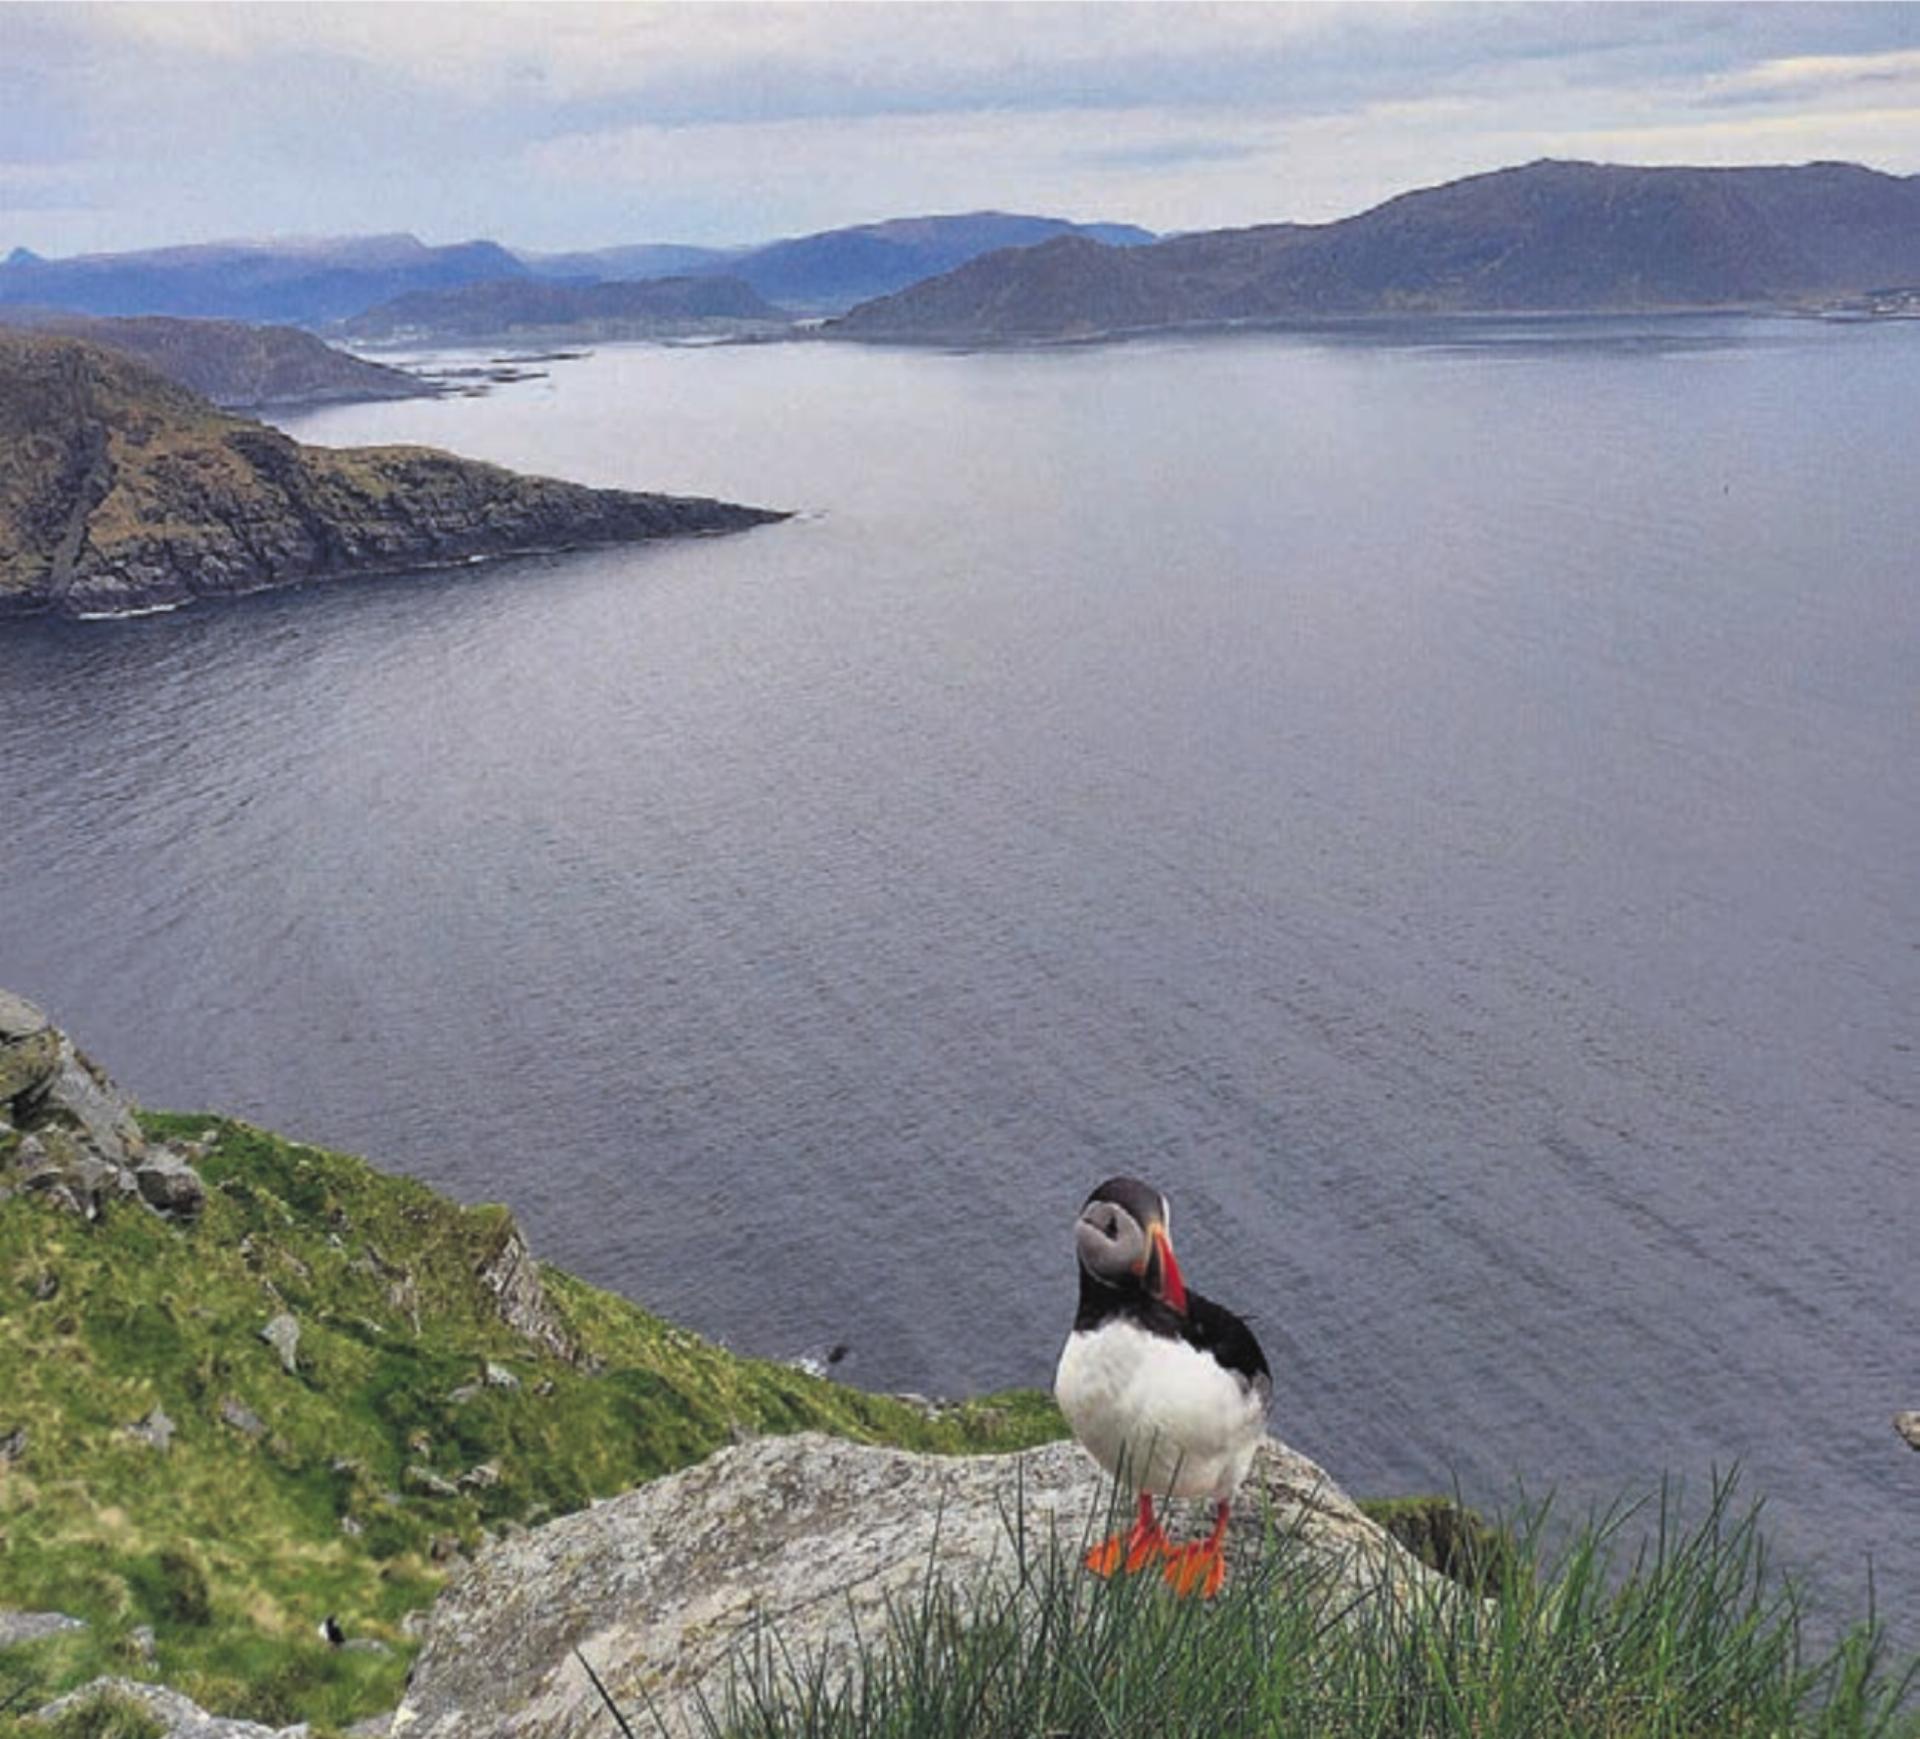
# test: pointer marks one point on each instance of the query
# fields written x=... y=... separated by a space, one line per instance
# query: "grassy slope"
x=232 y=1546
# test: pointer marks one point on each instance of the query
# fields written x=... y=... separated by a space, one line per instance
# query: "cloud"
x=575 y=125
x=1822 y=80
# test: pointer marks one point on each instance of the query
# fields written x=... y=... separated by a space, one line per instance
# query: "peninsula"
x=123 y=493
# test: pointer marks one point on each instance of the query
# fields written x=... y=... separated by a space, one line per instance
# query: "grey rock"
x=180 y=1716
x=426 y=1480
x=156 y=1429
x=144 y=1644
x=19 y=1627
x=461 y=1396
x=499 y=1377
x=19 y=1019
x=481 y=1478
x=365 y=1645
x=13 y=1444
x=806 y=1539
x=241 y=1417
x=170 y=1185
x=283 y=1335
x=1908 y=1425
x=513 y=1277
x=26 y=1062
x=373 y=1727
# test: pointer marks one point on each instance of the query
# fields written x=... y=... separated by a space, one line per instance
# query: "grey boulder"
x=807 y=1540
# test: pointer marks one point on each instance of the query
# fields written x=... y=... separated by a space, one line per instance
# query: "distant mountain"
x=1549 y=236
x=233 y=364
x=831 y=270
x=121 y=492
x=638 y=260
x=526 y=310
x=837 y=268
x=305 y=282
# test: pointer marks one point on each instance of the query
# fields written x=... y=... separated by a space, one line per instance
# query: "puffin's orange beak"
x=1163 y=1273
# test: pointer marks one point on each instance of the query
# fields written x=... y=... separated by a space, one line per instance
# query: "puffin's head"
x=1123 y=1241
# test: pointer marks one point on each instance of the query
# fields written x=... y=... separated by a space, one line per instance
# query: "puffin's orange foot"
x=1199 y=1568
x=1132 y=1551
x=1144 y=1545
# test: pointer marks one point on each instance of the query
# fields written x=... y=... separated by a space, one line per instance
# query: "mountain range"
x=315 y=282
x=833 y=269
x=1547 y=236
x=305 y=282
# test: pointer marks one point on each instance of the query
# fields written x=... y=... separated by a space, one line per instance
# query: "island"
x=1543 y=238
x=236 y=365
x=122 y=493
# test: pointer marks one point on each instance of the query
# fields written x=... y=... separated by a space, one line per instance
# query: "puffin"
x=1167 y=1390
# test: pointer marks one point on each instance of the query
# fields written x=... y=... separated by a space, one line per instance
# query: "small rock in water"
x=1908 y=1425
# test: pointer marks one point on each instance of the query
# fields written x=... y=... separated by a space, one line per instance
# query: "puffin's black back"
x=1209 y=1327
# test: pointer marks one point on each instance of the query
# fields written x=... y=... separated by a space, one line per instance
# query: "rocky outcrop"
x=67 y=1132
x=179 y=1717
x=512 y=1279
x=121 y=493
x=807 y=1540
x=17 y=1628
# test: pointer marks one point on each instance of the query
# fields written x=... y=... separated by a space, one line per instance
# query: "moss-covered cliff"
x=203 y=1495
x=122 y=492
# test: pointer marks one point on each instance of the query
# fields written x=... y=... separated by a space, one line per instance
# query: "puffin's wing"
x=1215 y=1329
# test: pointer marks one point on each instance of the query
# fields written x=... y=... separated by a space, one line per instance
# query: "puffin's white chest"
x=1163 y=1415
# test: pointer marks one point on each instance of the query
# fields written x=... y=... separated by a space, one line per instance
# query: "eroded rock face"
x=807 y=1538
x=68 y=1133
x=512 y=1276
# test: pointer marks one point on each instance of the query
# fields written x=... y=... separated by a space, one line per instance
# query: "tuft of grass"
x=1640 y=1626
x=348 y=1486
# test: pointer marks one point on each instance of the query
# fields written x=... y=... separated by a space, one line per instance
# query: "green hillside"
x=415 y=1419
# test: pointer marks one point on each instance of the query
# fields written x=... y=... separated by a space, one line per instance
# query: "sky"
x=554 y=126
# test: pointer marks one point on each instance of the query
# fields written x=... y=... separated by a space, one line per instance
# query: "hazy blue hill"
x=837 y=268
x=1549 y=236
x=523 y=308
x=305 y=282
x=636 y=260
x=832 y=269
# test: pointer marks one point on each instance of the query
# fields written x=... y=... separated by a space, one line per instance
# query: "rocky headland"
x=122 y=492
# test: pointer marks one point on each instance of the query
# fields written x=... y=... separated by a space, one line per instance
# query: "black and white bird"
x=1167 y=1390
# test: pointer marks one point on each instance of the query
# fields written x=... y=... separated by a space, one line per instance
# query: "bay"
x=1440 y=802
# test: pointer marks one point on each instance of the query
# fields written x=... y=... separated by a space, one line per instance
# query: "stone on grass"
x=809 y=1540
x=283 y=1335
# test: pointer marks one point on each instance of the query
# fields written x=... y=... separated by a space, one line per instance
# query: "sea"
x=1442 y=802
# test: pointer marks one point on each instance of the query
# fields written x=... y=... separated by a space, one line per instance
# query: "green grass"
x=1640 y=1627
x=234 y=1544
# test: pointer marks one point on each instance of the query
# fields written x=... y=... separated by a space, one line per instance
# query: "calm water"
x=1449 y=813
